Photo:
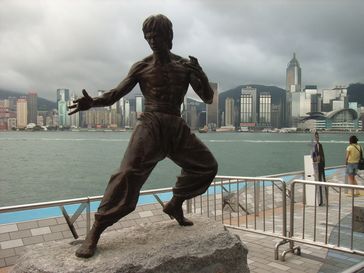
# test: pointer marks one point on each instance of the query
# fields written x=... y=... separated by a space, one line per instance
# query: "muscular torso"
x=163 y=85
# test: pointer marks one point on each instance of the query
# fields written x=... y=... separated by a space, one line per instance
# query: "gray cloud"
x=45 y=45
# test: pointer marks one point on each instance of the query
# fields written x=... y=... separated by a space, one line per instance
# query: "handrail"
x=70 y=201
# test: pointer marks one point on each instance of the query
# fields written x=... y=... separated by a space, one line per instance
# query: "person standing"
x=318 y=158
x=352 y=159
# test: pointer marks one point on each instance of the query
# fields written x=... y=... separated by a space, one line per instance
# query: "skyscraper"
x=248 y=105
x=293 y=75
x=212 y=109
x=22 y=112
x=32 y=100
x=139 y=105
x=229 y=111
x=63 y=97
x=265 y=109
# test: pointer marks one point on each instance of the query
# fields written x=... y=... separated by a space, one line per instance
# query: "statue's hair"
x=161 y=24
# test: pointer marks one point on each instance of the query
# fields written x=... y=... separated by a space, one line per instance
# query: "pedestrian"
x=318 y=158
x=352 y=159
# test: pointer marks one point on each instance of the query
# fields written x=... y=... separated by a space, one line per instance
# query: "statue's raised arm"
x=199 y=81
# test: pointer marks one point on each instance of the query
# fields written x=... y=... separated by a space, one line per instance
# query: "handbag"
x=361 y=160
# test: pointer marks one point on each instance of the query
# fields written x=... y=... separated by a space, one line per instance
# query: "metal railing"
x=84 y=205
x=259 y=205
x=338 y=221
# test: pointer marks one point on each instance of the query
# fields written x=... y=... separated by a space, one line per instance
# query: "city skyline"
x=45 y=45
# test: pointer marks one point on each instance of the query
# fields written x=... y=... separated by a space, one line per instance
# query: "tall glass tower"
x=293 y=75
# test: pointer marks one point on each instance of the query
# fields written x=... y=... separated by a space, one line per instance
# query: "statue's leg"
x=122 y=193
x=199 y=168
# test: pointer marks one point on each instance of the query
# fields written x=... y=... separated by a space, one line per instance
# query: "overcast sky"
x=45 y=45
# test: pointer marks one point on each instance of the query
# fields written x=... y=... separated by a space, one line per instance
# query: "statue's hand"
x=81 y=104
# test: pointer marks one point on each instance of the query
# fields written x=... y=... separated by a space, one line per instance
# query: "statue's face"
x=156 y=41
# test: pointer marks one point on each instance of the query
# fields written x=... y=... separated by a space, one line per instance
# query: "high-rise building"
x=62 y=103
x=293 y=75
x=63 y=94
x=127 y=121
x=229 y=111
x=255 y=108
x=212 y=115
x=139 y=105
x=265 y=109
x=248 y=105
x=75 y=118
x=32 y=99
x=22 y=112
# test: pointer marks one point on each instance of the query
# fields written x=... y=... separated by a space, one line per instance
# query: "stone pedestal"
x=163 y=247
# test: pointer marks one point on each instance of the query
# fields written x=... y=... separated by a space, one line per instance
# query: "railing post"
x=88 y=215
x=189 y=205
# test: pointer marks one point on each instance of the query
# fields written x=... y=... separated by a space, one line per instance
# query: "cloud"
x=45 y=45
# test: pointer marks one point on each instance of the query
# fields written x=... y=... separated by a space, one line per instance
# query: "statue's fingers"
x=85 y=94
x=72 y=106
x=74 y=111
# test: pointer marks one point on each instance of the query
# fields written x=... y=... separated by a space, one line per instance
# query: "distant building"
x=63 y=94
x=22 y=113
x=265 y=109
x=75 y=118
x=293 y=75
x=340 y=120
x=139 y=105
x=334 y=99
x=127 y=112
x=248 y=105
x=212 y=110
x=229 y=112
x=63 y=98
x=32 y=99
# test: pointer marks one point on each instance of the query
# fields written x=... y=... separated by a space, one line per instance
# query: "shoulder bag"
x=361 y=160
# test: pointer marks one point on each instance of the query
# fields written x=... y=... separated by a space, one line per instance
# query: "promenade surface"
x=15 y=238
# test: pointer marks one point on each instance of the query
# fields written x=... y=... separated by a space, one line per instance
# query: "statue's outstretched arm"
x=110 y=97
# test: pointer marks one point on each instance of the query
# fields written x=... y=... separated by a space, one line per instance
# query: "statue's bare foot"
x=176 y=212
x=86 y=250
x=88 y=247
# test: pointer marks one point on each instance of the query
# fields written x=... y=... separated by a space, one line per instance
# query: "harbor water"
x=45 y=166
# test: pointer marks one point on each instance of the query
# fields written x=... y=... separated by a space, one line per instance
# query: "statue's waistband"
x=162 y=109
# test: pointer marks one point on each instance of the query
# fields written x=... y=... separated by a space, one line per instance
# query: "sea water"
x=46 y=166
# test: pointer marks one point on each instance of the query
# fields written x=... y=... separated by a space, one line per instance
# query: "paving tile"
x=4 y=253
x=20 y=250
x=146 y=213
x=11 y=244
x=4 y=237
x=33 y=240
x=53 y=236
x=8 y=228
x=40 y=231
x=47 y=222
x=279 y=266
x=11 y=260
x=27 y=225
x=58 y=228
x=20 y=234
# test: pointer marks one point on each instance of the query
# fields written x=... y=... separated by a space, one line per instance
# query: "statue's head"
x=158 y=31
